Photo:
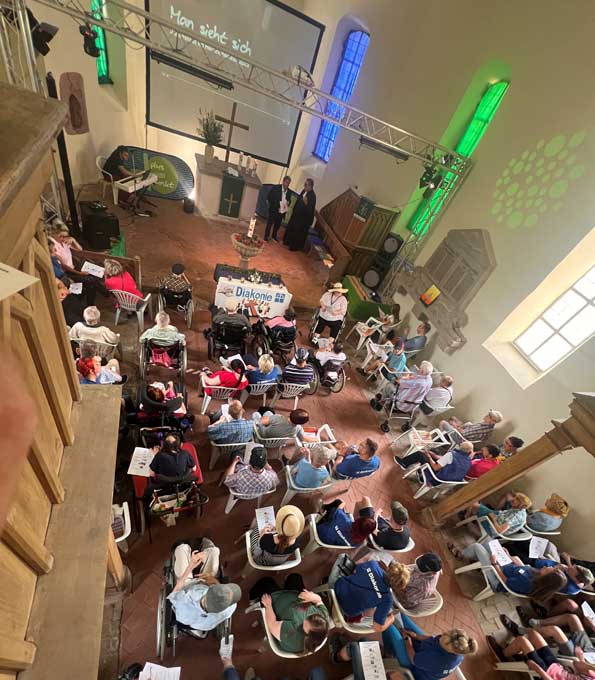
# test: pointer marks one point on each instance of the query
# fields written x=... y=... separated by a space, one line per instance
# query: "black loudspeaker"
x=99 y=226
x=374 y=276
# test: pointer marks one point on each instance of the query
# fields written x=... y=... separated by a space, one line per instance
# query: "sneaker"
x=524 y=617
x=399 y=462
x=510 y=625
x=496 y=648
x=199 y=634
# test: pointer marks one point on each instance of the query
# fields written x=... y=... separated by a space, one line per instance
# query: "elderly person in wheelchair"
x=163 y=333
x=198 y=599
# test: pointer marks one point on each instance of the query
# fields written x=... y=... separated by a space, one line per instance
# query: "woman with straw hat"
x=550 y=517
x=333 y=308
x=275 y=545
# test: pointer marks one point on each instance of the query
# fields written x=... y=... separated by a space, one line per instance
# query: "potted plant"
x=211 y=130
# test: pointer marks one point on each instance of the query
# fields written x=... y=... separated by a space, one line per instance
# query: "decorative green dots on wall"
x=535 y=182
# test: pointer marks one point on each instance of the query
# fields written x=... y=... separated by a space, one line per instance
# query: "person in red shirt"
x=118 y=279
x=488 y=461
x=232 y=376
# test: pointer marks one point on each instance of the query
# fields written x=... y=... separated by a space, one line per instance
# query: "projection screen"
x=265 y=30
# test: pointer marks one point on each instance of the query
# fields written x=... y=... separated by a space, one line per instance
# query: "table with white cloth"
x=270 y=299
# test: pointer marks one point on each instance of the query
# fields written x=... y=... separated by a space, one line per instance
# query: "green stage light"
x=429 y=207
x=102 y=60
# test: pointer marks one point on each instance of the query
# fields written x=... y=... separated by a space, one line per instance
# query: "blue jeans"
x=231 y=674
x=394 y=642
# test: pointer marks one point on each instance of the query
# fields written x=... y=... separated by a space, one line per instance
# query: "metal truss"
x=224 y=64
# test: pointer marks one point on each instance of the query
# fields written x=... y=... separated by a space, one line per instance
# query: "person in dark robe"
x=301 y=218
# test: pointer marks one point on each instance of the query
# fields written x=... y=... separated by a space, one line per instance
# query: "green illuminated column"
x=102 y=60
x=429 y=208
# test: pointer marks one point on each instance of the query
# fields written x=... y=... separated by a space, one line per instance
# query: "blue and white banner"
x=269 y=300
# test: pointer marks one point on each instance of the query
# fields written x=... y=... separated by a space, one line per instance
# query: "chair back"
x=271 y=442
x=230 y=333
x=323 y=429
x=301 y=489
x=372 y=543
x=260 y=388
x=290 y=390
x=217 y=392
x=99 y=163
x=251 y=496
x=428 y=607
x=126 y=300
x=93 y=348
x=289 y=563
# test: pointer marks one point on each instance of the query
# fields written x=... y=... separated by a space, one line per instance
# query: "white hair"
x=91 y=315
x=496 y=416
x=466 y=446
x=231 y=304
x=162 y=319
x=320 y=454
x=425 y=368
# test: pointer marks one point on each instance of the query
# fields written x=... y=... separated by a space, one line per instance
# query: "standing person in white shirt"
x=278 y=200
x=333 y=308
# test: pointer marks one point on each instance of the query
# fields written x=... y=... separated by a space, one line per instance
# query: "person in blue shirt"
x=427 y=657
x=453 y=466
x=356 y=461
x=263 y=370
x=395 y=363
x=310 y=472
x=371 y=586
x=337 y=527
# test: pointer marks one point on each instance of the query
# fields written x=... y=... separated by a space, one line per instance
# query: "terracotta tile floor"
x=200 y=244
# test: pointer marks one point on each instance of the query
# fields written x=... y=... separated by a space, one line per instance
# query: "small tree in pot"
x=211 y=131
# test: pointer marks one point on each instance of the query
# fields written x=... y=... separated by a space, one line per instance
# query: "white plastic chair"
x=370 y=545
x=218 y=449
x=329 y=437
x=251 y=564
x=293 y=490
x=417 y=442
x=218 y=393
x=488 y=591
x=257 y=390
x=481 y=521
x=425 y=486
x=541 y=533
x=273 y=644
x=363 y=627
x=364 y=329
x=315 y=541
x=105 y=183
x=235 y=497
x=128 y=302
x=373 y=349
x=123 y=511
x=289 y=391
x=428 y=607
x=272 y=442
x=105 y=350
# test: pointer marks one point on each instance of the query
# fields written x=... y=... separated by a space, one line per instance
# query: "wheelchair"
x=314 y=323
x=150 y=355
x=279 y=340
x=183 y=302
x=332 y=376
x=155 y=413
x=226 y=339
x=388 y=404
x=168 y=628
x=169 y=495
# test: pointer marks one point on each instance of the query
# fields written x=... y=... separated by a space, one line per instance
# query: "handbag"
x=160 y=357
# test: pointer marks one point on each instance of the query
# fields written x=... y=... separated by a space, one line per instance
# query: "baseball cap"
x=222 y=596
x=398 y=343
x=301 y=354
x=429 y=562
x=258 y=457
x=399 y=512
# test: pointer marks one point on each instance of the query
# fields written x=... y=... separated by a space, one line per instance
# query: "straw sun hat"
x=290 y=521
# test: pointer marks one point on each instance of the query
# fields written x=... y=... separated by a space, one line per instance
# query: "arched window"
x=354 y=52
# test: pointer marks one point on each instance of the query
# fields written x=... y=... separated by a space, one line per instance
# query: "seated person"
x=115 y=165
x=91 y=330
x=336 y=527
x=271 y=425
x=510 y=447
x=115 y=278
x=295 y=617
x=310 y=471
x=539 y=584
x=233 y=375
x=551 y=516
x=567 y=614
x=489 y=459
x=423 y=580
x=475 y=432
x=413 y=387
x=277 y=323
x=160 y=393
x=59 y=272
x=451 y=467
x=418 y=342
x=334 y=354
x=538 y=655
x=68 y=274
x=62 y=246
x=298 y=373
x=438 y=397
x=393 y=533
x=507 y=521
x=356 y=461
x=163 y=333
x=171 y=461
x=231 y=429
x=370 y=586
x=275 y=545
x=427 y=657
x=198 y=599
x=261 y=371
x=72 y=305
x=394 y=364
x=389 y=322
x=230 y=314
x=91 y=372
x=255 y=479
x=175 y=287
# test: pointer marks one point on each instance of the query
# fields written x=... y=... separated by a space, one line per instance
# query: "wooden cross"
x=230 y=201
x=232 y=123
